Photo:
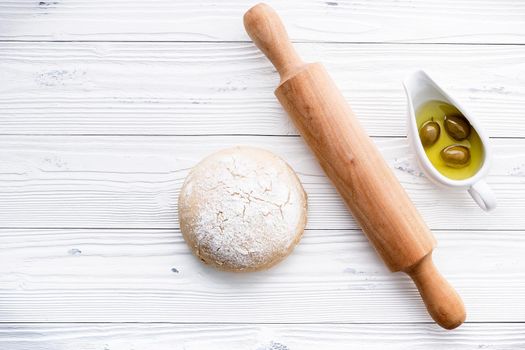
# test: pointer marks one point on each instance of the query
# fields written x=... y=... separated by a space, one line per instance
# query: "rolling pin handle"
x=442 y=301
x=267 y=31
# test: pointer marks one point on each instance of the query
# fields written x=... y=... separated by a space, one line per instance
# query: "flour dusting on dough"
x=243 y=208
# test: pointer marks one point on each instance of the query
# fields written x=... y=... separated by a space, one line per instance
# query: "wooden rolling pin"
x=354 y=165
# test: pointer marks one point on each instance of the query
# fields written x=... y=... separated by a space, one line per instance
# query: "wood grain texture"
x=354 y=165
x=342 y=20
x=151 y=88
x=139 y=275
x=203 y=86
x=347 y=155
x=133 y=182
x=258 y=337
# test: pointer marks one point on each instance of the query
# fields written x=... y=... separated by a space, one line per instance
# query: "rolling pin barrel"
x=355 y=166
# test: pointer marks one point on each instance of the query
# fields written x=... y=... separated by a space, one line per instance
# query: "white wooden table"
x=106 y=104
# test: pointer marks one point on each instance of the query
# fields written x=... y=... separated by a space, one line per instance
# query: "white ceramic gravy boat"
x=420 y=88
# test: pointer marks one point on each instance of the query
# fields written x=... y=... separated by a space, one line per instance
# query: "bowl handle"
x=483 y=195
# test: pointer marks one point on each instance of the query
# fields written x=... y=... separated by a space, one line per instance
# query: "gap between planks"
x=255 y=323
x=222 y=135
x=249 y=41
x=178 y=229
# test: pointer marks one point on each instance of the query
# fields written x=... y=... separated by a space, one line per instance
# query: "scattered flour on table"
x=247 y=208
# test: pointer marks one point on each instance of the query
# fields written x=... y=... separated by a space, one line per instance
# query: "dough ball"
x=242 y=209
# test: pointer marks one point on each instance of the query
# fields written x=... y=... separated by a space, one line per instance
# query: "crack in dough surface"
x=242 y=209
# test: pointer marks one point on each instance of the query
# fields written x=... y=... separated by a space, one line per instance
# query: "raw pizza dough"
x=242 y=209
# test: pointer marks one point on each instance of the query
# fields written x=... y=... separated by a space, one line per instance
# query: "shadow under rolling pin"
x=354 y=165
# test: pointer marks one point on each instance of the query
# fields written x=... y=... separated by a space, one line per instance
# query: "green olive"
x=457 y=126
x=456 y=156
x=429 y=133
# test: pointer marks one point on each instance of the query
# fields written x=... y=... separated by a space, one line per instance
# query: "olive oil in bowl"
x=451 y=144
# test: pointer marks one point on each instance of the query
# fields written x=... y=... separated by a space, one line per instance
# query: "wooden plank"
x=131 y=182
x=134 y=275
x=443 y=21
x=224 y=88
x=261 y=337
